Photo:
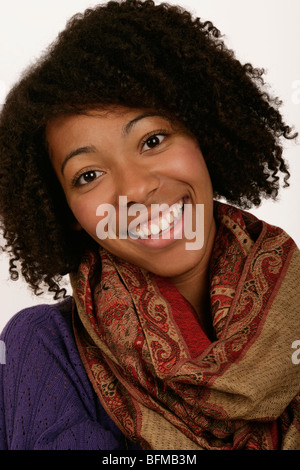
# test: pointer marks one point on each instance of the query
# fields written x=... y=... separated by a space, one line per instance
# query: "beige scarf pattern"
x=167 y=389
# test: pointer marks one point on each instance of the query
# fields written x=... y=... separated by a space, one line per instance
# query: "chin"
x=170 y=264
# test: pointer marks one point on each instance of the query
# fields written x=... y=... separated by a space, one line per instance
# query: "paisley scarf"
x=162 y=380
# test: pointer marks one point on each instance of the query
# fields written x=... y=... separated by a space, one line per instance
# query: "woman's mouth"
x=162 y=229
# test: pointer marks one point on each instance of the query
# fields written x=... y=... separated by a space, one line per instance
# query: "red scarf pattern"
x=169 y=389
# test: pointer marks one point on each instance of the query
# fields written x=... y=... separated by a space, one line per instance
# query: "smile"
x=160 y=225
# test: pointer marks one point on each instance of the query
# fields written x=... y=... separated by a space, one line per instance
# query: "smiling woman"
x=159 y=346
x=142 y=156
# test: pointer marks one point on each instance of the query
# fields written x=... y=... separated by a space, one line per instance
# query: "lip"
x=153 y=215
x=164 y=239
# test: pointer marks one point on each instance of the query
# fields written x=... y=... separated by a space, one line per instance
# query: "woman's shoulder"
x=34 y=331
x=46 y=399
x=39 y=317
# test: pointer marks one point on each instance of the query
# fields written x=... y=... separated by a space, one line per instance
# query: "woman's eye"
x=87 y=177
x=153 y=141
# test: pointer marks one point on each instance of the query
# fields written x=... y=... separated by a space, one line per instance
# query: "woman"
x=161 y=346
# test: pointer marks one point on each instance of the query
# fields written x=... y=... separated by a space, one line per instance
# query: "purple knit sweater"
x=46 y=399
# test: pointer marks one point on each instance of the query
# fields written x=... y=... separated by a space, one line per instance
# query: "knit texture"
x=46 y=399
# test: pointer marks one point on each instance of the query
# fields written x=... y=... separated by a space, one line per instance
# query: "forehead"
x=65 y=131
x=113 y=117
x=67 y=122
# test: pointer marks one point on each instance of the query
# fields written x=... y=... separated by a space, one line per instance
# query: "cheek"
x=189 y=166
x=84 y=210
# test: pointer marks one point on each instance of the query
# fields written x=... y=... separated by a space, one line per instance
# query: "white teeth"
x=154 y=229
x=163 y=224
x=140 y=232
x=173 y=215
x=146 y=231
x=169 y=217
x=175 y=211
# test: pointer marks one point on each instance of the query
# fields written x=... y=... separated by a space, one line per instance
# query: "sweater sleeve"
x=46 y=399
x=3 y=439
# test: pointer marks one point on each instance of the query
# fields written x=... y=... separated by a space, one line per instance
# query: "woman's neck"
x=194 y=284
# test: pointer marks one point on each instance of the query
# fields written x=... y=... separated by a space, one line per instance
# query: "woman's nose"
x=138 y=184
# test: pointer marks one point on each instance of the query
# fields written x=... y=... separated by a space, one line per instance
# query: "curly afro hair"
x=135 y=54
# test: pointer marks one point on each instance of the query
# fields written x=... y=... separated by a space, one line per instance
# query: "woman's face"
x=109 y=161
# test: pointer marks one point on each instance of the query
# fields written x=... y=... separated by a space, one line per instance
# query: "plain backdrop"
x=265 y=33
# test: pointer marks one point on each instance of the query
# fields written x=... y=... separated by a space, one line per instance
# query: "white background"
x=265 y=33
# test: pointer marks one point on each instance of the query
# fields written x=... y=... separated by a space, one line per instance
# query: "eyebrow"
x=126 y=130
x=74 y=153
x=128 y=127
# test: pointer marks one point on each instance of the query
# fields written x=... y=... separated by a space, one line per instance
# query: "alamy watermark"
x=296 y=92
x=163 y=221
x=296 y=354
x=2 y=353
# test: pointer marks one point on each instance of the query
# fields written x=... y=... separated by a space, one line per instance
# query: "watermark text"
x=296 y=354
x=2 y=353
x=163 y=221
